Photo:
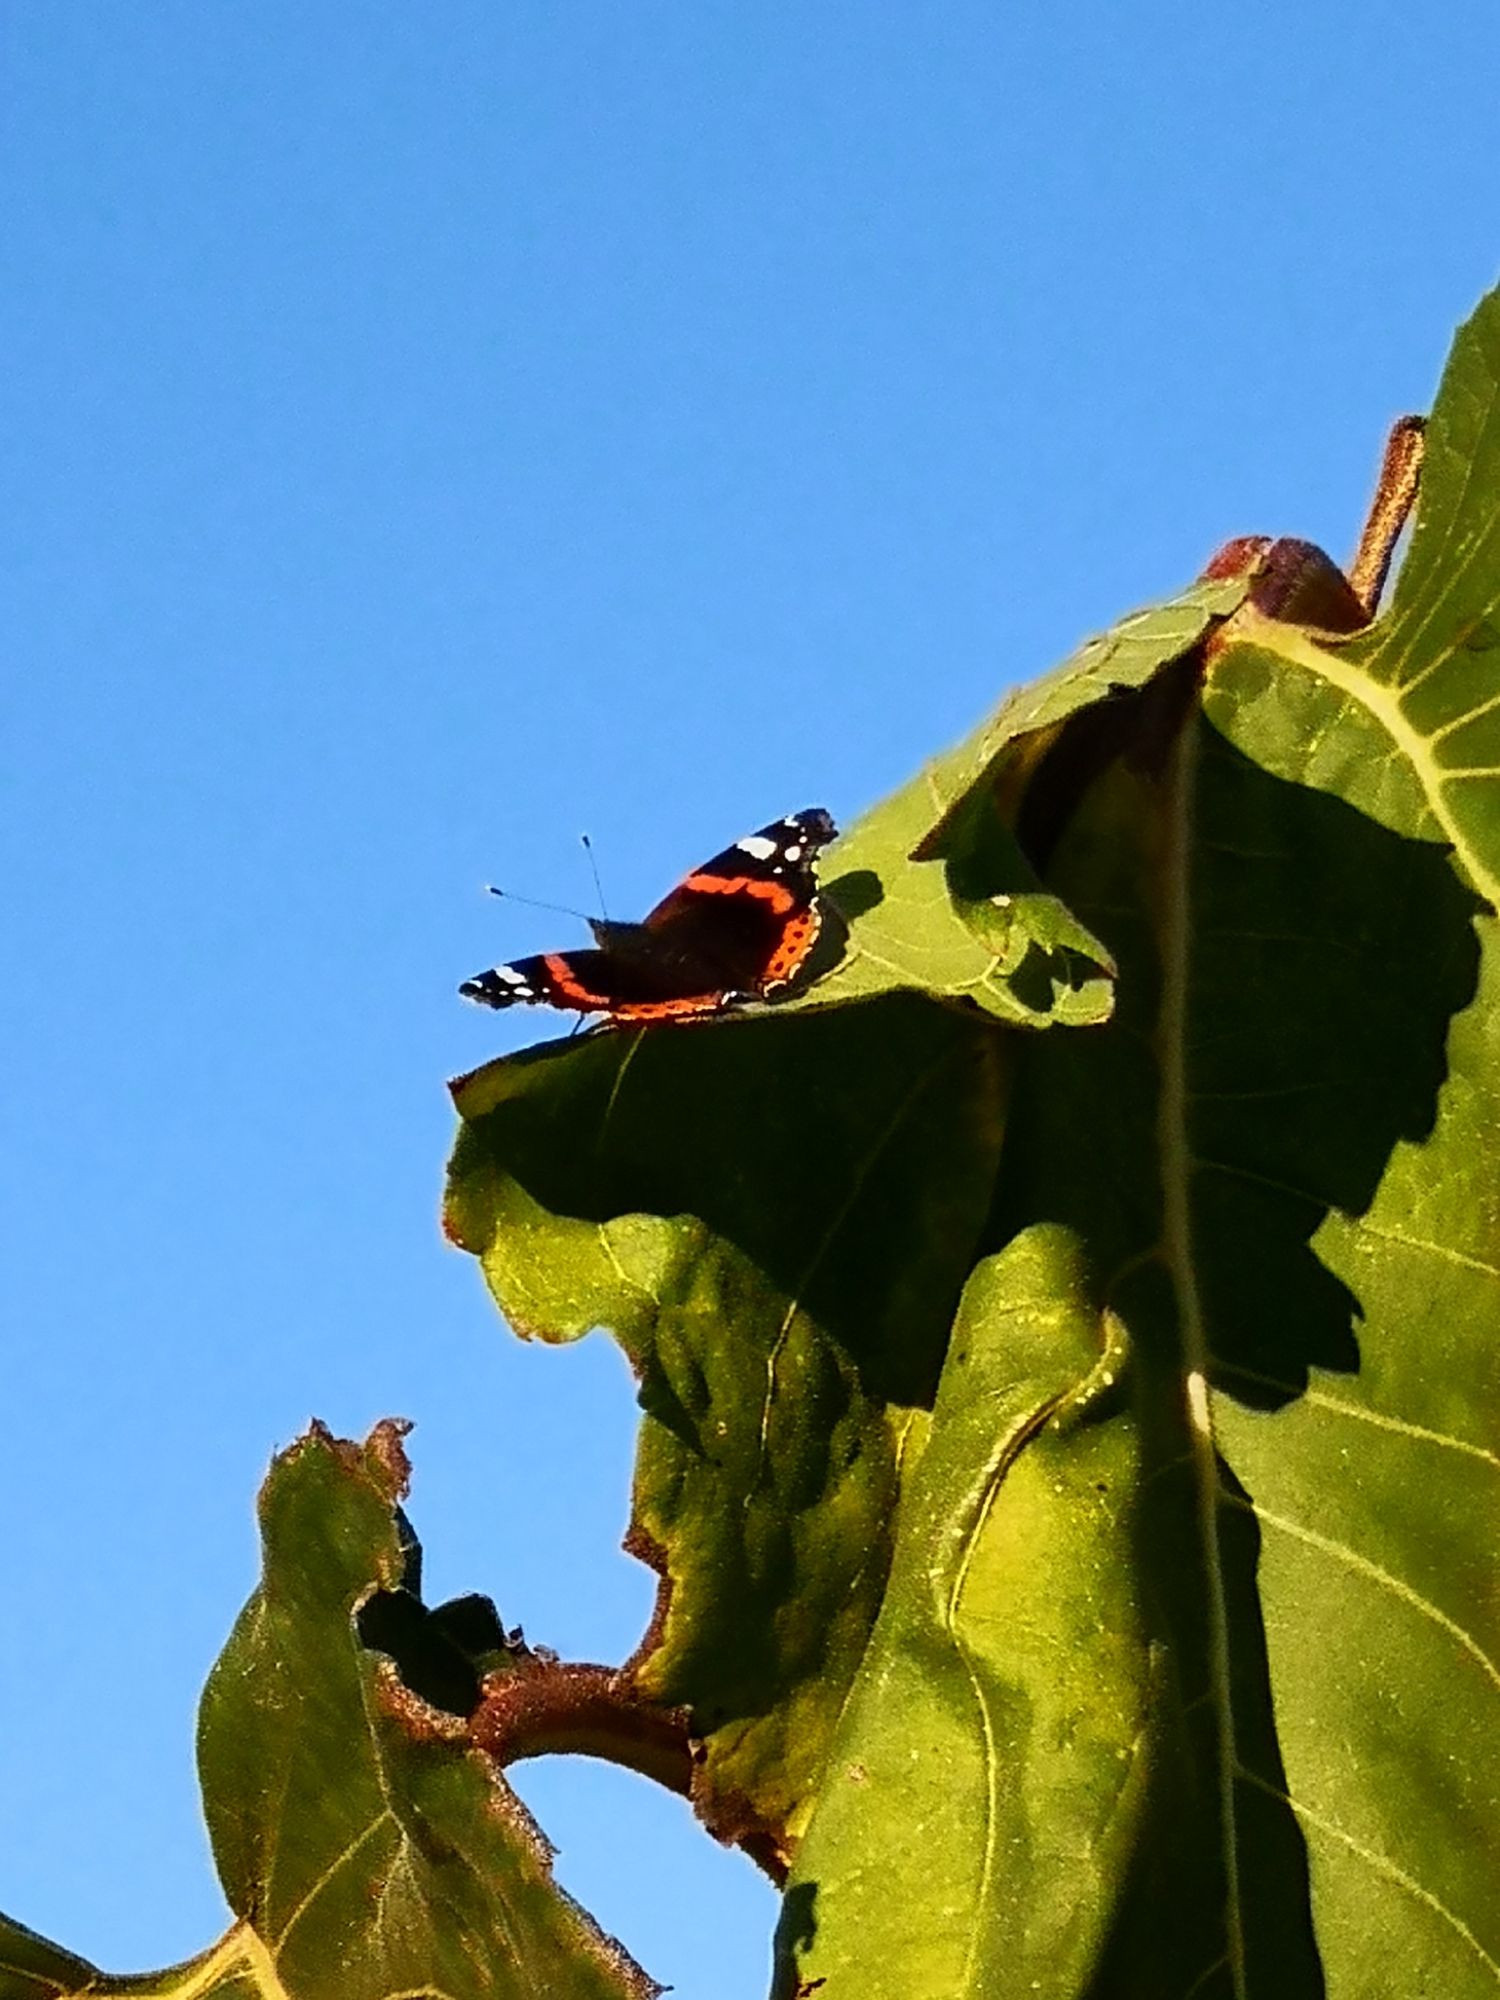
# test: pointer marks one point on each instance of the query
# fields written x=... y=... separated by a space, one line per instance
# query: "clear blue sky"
x=433 y=431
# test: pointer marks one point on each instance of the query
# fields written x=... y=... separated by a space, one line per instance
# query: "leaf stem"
x=551 y=1706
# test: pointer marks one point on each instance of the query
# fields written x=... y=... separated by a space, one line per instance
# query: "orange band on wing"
x=797 y=940
x=570 y=990
x=779 y=897
x=666 y=1010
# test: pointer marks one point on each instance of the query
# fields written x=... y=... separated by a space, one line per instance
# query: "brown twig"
x=1395 y=495
x=550 y=1706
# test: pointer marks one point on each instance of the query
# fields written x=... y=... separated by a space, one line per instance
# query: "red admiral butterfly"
x=736 y=929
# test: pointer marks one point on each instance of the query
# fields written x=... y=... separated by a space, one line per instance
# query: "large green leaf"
x=368 y=1851
x=774 y=1216
x=991 y=1765
x=1271 y=1178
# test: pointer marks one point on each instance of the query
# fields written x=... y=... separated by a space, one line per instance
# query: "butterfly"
x=736 y=929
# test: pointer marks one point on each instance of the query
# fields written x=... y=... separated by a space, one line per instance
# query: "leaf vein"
x=1462 y=721
x=836 y=1222
x=1341 y=1552
x=1206 y=1974
x=1443 y=1250
x=321 y=1883
x=1342 y=1407
x=1382 y=1865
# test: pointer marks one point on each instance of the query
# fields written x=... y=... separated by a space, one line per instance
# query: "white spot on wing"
x=757 y=846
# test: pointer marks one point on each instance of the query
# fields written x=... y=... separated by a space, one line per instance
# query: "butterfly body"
x=736 y=929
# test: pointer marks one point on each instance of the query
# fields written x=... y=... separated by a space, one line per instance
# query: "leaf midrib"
x=1176 y=1166
x=1380 y=702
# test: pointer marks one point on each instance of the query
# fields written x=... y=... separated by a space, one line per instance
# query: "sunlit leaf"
x=1275 y=1169
x=368 y=1852
x=960 y=913
x=993 y=1755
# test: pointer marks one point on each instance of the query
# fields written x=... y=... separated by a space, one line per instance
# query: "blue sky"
x=433 y=433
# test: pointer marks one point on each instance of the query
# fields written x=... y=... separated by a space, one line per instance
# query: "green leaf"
x=368 y=1851
x=1428 y=676
x=1274 y=1172
x=33 y=1969
x=932 y=889
x=368 y=1848
x=980 y=1757
x=1440 y=623
x=774 y=1215
x=1121 y=661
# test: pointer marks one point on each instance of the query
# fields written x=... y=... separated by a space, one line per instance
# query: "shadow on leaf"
x=846 y=1153
x=1328 y=956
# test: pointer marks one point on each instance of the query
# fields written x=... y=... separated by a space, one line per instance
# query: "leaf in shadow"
x=774 y=1215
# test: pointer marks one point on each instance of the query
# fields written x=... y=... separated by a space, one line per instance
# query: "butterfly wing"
x=627 y=984
x=741 y=924
x=748 y=918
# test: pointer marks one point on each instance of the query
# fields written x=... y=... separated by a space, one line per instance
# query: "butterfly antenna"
x=557 y=909
x=588 y=848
